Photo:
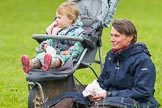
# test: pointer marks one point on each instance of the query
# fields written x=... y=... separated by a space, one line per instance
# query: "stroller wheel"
x=35 y=100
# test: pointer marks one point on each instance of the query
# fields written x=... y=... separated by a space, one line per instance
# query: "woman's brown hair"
x=126 y=27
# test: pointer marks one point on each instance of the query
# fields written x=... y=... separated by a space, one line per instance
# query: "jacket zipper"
x=117 y=65
x=116 y=69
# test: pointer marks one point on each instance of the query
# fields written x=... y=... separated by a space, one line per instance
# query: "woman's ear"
x=130 y=38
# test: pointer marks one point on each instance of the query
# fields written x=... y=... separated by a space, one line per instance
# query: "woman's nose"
x=112 y=38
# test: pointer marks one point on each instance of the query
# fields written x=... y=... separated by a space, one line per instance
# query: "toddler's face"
x=63 y=21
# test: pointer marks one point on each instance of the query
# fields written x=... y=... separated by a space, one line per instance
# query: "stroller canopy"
x=101 y=10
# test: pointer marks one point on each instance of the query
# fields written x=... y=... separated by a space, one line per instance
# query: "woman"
x=128 y=71
x=128 y=75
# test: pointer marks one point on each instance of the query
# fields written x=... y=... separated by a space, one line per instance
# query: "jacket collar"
x=122 y=54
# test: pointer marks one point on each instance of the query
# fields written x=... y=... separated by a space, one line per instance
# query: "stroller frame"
x=36 y=82
x=42 y=85
x=65 y=77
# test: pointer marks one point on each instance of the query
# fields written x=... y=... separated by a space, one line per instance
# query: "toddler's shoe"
x=47 y=62
x=25 y=63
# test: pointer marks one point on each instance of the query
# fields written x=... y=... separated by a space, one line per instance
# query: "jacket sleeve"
x=104 y=74
x=74 y=51
x=48 y=42
x=144 y=80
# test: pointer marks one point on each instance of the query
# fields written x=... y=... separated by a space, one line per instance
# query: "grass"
x=21 y=18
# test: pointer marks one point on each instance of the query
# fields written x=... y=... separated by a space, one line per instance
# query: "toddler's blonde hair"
x=70 y=9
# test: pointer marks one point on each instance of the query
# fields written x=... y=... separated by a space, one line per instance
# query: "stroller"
x=44 y=86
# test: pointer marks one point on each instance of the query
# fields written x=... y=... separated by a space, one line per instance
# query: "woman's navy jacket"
x=130 y=73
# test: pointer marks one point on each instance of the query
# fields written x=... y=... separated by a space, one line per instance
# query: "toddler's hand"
x=44 y=46
x=56 y=29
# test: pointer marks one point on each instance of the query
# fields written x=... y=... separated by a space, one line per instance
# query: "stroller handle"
x=57 y=37
x=86 y=41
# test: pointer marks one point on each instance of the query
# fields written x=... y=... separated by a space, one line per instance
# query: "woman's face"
x=63 y=21
x=119 y=41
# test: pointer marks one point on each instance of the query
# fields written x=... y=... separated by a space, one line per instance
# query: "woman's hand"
x=97 y=97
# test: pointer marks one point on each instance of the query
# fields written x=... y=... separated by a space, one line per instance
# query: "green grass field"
x=21 y=18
